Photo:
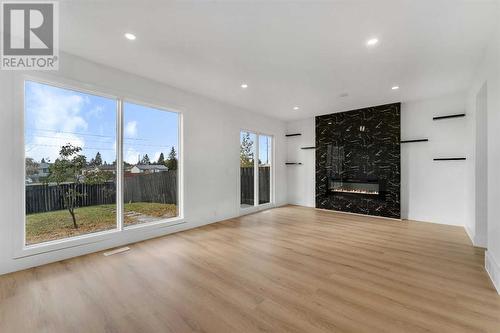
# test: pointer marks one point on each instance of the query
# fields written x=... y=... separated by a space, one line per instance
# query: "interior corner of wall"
x=481 y=241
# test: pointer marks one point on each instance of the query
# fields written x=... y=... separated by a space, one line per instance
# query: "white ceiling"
x=290 y=53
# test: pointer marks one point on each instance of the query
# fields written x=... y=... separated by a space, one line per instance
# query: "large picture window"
x=72 y=145
x=255 y=169
x=150 y=161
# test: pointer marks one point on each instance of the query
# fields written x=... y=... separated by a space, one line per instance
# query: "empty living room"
x=250 y=166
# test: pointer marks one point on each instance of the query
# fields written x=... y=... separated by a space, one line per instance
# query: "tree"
x=171 y=163
x=246 y=151
x=145 y=160
x=97 y=161
x=98 y=177
x=31 y=167
x=161 y=159
x=68 y=168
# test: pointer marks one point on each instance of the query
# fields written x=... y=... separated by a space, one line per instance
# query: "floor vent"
x=116 y=251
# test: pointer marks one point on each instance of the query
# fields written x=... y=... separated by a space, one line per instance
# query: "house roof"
x=107 y=167
x=151 y=167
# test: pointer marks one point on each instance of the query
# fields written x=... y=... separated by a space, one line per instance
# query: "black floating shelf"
x=293 y=163
x=308 y=148
x=416 y=140
x=451 y=159
x=294 y=134
x=449 y=116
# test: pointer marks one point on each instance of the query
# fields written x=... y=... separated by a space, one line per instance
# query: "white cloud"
x=131 y=129
x=49 y=147
x=56 y=117
x=57 y=111
x=96 y=111
x=130 y=155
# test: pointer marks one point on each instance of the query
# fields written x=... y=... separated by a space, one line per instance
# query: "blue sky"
x=55 y=116
x=265 y=146
x=148 y=131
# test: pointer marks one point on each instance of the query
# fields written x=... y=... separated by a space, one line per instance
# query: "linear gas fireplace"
x=351 y=186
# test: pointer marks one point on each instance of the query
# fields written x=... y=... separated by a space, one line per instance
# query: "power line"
x=86 y=134
x=67 y=132
x=59 y=137
x=89 y=148
x=127 y=145
x=71 y=138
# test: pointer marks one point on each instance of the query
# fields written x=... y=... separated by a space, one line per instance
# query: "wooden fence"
x=47 y=198
x=247 y=186
x=158 y=187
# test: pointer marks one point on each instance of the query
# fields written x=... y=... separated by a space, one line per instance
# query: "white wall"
x=478 y=105
x=211 y=154
x=439 y=192
x=489 y=73
x=301 y=178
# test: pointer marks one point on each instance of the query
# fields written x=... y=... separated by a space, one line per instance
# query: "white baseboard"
x=470 y=234
x=475 y=239
x=480 y=241
x=493 y=269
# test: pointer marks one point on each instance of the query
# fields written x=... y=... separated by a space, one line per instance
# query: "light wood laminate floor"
x=289 y=269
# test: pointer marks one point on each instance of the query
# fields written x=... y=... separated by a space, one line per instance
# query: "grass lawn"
x=43 y=227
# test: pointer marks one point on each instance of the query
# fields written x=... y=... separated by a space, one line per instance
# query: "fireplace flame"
x=358 y=191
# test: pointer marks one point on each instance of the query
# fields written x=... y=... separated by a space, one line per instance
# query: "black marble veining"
x=360 y=146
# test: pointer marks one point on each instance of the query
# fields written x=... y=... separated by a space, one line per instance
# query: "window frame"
x=271 y=171
x=256 y=206
x=180 y=164
x=120 y=233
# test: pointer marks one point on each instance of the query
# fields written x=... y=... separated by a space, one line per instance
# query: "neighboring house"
x=42 y=172
x=149 y=168
x=43 y=169
x=106 y=170
x=104 y=167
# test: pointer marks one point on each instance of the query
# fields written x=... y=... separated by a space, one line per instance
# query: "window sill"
x=114 y=235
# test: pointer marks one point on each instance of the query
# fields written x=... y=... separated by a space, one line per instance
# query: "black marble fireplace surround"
x=358 y=161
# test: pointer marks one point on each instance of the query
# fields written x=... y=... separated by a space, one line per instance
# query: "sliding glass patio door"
x=255 y=169
x=265 y=161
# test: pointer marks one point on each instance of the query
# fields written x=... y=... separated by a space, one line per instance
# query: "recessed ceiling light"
x=395 y=88
x=130 y=36
x=372 y=42
x=295 y=107
x=244 y=85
